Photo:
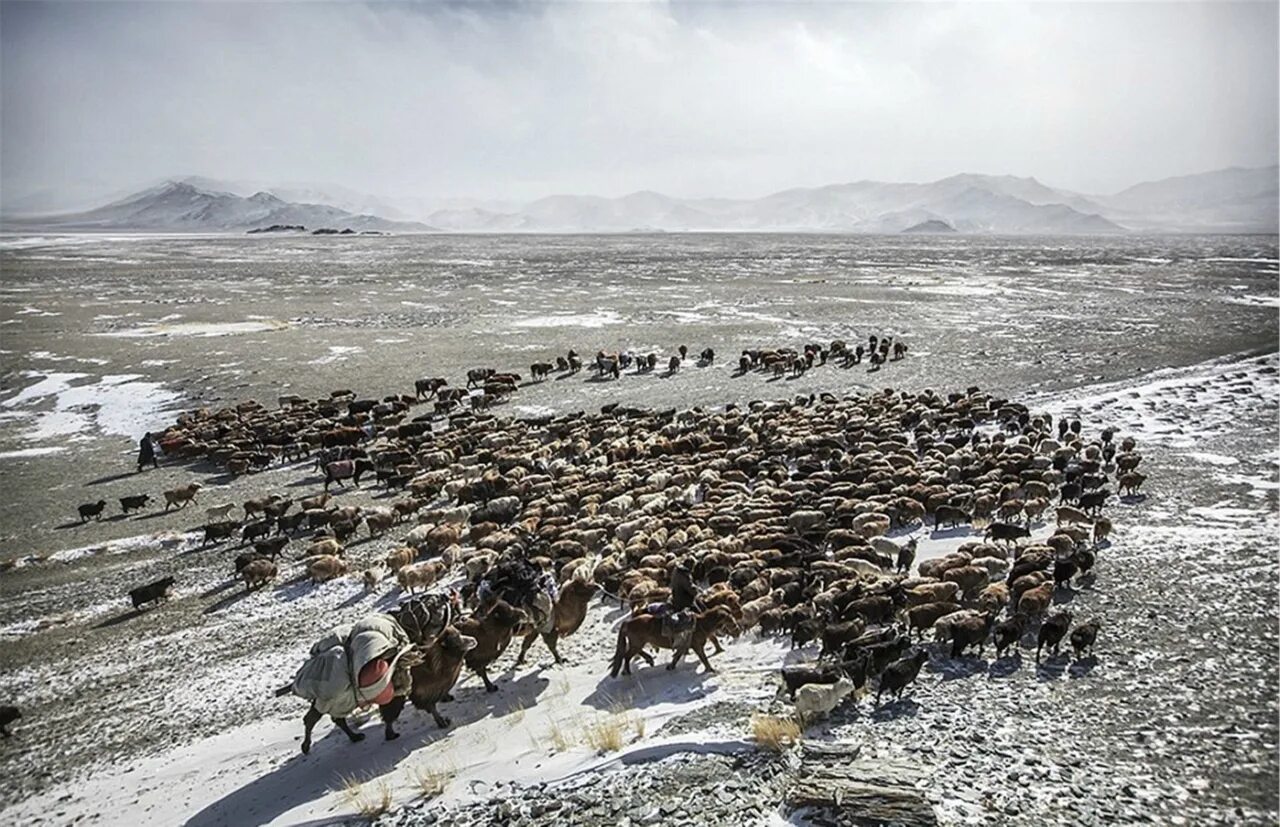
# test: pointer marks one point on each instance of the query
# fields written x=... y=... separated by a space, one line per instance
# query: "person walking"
x=146 y=452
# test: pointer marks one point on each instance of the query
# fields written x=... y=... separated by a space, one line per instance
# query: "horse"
x=645 y=629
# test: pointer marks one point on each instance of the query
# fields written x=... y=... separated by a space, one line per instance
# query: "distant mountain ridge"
x=1233 y=200
x=179 y=206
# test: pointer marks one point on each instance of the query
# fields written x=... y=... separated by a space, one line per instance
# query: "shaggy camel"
x=567 y=616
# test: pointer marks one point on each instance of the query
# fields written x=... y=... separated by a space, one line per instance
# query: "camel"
x=567 y=616
x=641 y=630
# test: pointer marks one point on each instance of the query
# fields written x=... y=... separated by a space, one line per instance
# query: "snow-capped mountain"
x=180 y=206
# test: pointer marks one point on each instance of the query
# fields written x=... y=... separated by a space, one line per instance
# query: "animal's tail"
x=619 y=653
x=284 y=690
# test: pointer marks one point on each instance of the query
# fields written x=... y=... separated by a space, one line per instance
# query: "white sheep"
x=815 y=701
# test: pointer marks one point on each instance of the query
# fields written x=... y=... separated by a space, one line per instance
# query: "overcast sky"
x=521 y=100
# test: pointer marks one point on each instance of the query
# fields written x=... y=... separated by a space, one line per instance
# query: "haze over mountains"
x=1230 y=200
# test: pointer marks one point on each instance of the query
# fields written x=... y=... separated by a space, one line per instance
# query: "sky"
x=520 y=100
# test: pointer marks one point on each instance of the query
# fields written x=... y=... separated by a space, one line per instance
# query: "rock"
x=862 y=792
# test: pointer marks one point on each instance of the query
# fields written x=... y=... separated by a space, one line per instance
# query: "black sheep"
x=900 y=674
x=8 y=714
x=1084 y=636
x=1052 y=631
x=1008 y=632
x=1063 y=571
x=795 y=677
x=93 y=510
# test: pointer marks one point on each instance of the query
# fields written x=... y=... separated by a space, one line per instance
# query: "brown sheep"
x=181 y=495
x=923 y=617
x=419 y=576
x=932 y=593
x=1036 y=601
x=257 y=573
x=400 y=557
x=969 y=578
x=326 y=567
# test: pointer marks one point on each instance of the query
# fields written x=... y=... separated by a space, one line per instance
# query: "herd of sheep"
x=779 y=510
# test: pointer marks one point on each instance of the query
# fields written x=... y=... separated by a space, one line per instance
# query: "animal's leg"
x=702 y=656
x=440 y=720
x=309 y=722
x=675 y=659
x=715 y=642
x=550 y=639
x=484 y=676
x=389 y=713
x=524 y=647
x=355 y=737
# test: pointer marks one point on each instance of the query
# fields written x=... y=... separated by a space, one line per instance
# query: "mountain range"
x=1234 y=200
x=181 y=206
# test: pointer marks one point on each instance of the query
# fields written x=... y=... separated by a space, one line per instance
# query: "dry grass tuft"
x=605 y=734
x=431 y=781
x=369 y=803
x=559 y=738
x=775 y=733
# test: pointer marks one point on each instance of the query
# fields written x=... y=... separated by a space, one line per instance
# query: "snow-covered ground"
x=537 y=728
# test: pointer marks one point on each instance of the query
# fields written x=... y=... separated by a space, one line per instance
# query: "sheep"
x=836 y=635
x=815 y=701
x=970 y=630
x=1067 y=514
x=181 y=495
x=326 y=567
x=419 y=576
x=1052 y=630
x=8 y=714
x=970 y=578
x=923 y=617
x=801 y=675
x=219 y=513
x=399 y=557
x=994 y=598
x=1036 y=601
x=1101 y=530
x=1008 y=632
x=994 y=566
x=900 y=674
x=327 y=547
x=1084 y=636
x=379 y=521
x=947 y=592
x=257 y=573
x=373 y=575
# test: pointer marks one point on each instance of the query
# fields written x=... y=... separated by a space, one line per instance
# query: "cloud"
x=517 y=100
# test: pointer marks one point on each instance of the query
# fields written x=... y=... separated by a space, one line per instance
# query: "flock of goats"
x=768 y=518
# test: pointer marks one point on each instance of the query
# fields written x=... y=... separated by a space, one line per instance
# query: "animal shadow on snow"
x=650 y=685
x=953 y=668
x=950 y=533
x=229 y=600
x=476 y=704
x=905 y=707
x=1061 y=596
x=120 y=618
x=1005 y=666
x=1052 y=668
x=123 y=475
x=302 y=779
x=1082 y=667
